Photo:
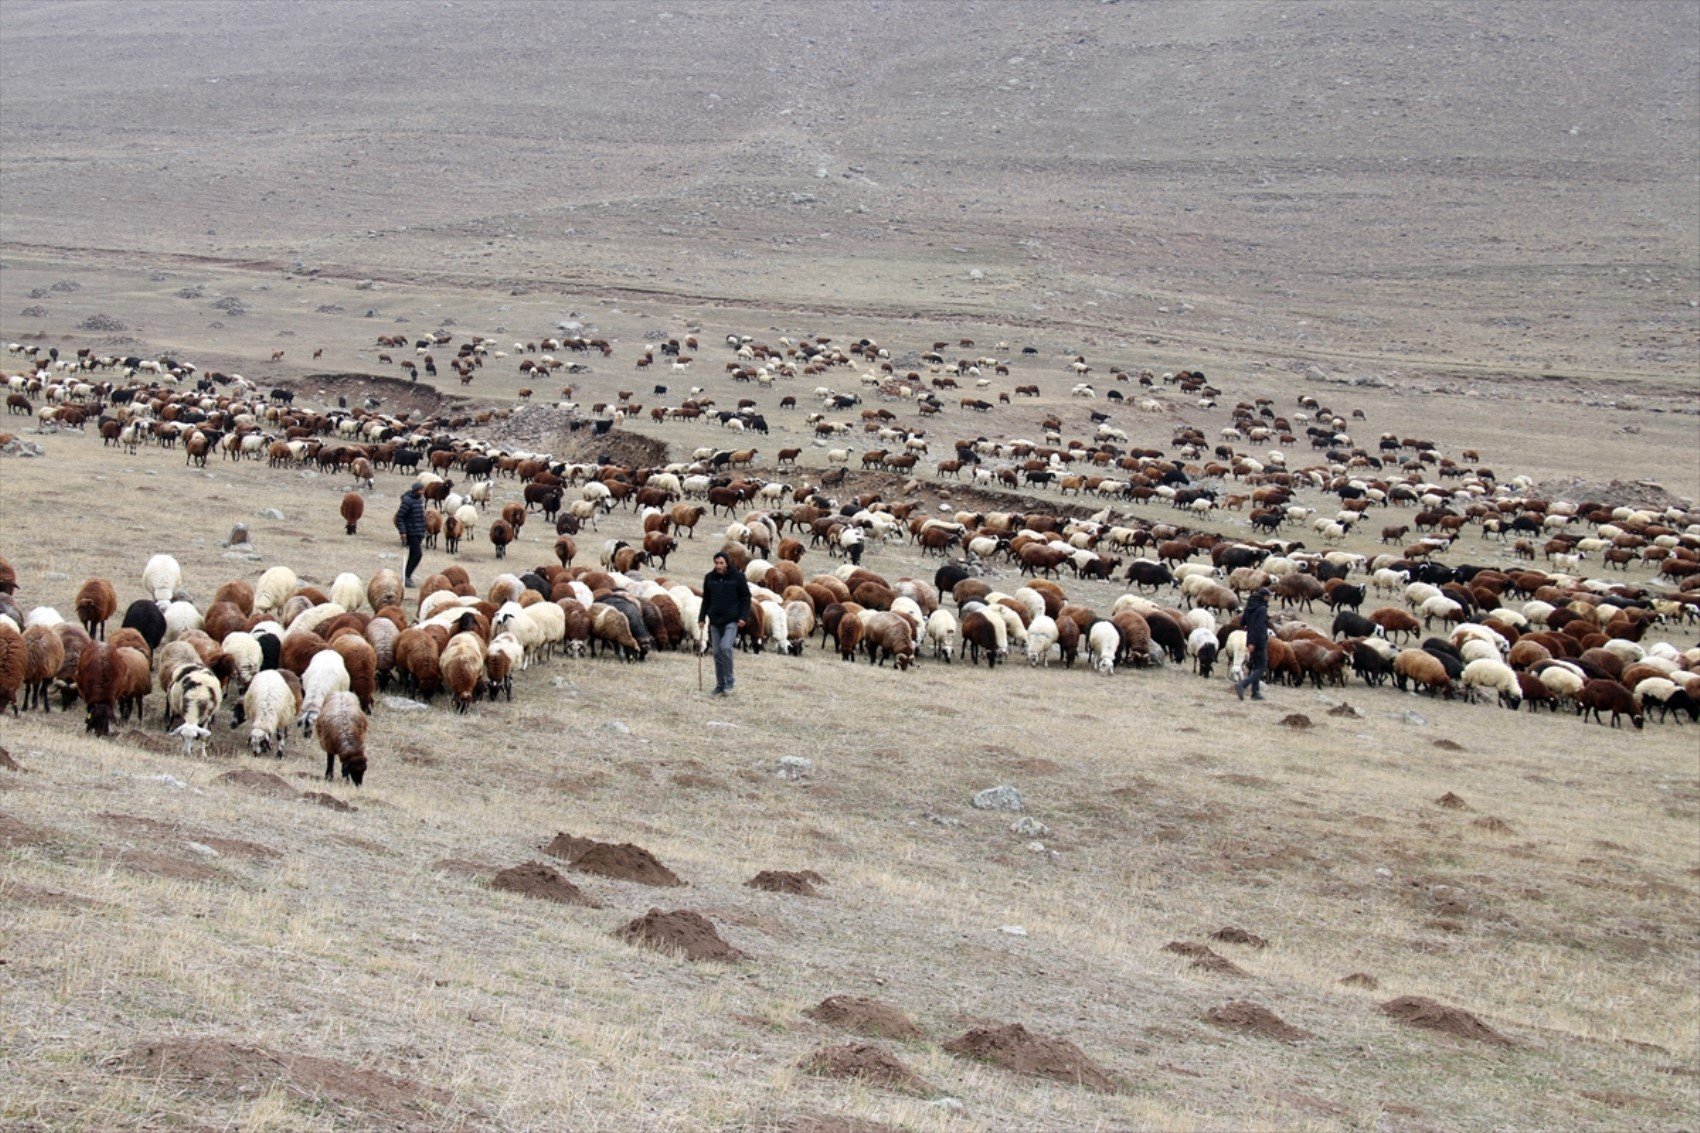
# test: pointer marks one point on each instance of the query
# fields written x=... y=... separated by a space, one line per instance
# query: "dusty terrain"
x=1473 y=223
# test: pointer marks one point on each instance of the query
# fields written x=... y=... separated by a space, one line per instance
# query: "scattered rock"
x=825 y=1123
x=800 y=883
x=863 y=1016
x=865 y=1062
x=1296 y=720
x=17 y=446
x=264 y=782
x=1452 y=802
x=1417 y=1011
x=365 y=285
x=621 y=861
x=1413 y=718
x=534 y=879
x=33 y=311
x=1232 y=935
x=270 y=513
x=1015 y=1048
x=1363 y=980
x=1029 y=827
x=403 y=704
x=238 y=536
x=103 y=324
x=619 y=727
x=794 y=767
x=682 y=931
x=1013 y=930
x=1248 y=1018
x=999 y=798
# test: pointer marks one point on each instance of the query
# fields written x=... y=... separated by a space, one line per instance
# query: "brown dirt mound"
x=534 y=879
x=1015 y=1048
x=329 y=802
x=1344 y=709
x=1203 y=957
x=1296 y=720
x=19 y=893
x=1448 y=745
x=864 y=1016
x=238 y=1070
x=1493 y=825
x=169 y=865
x=1417 y=1011
x=1232 y=935
x=868 y=1063
x=1453 y=802
x=800 y=883
x=263 y=782
x=14 y=832
x=831 y=1123
x=171 y=831
x=1250 y=1019
x=684 y=931
x=1361 y=979
x=621 y=861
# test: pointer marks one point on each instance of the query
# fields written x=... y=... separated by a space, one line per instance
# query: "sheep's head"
x=191 y=734
x=260 y=742
x=354 y=768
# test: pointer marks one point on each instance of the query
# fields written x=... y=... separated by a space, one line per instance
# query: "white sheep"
x=513 y=618
x=44 y=616
x=1442 y=607
x=1102 y=641
x=244 y=649
x=942 y=630
x=1562 y=680
x=1041 y=640
x=269 y=707
x=193 y=696
x=1492 y=673
x=778 y=626
x=161 y=578
x=310 y=619
x=348 y=591
x=325 y=674
x=274 y=588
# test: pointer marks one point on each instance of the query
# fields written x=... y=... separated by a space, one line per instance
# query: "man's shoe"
x=407 y=583
x=1257 y=696
x=718 y=692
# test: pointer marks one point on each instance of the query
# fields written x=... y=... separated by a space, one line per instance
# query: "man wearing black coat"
x=725 y=609
x=1256 y=623
x=410 y=521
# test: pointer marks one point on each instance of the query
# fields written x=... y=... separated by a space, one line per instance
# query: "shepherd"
x=725 y=610
x=410 y=522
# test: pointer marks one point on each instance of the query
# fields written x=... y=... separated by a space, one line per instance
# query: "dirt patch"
x=1448 y=745
x=682 y=931
x=696 y=779
x=1015 y=1048
x=534 y=879
x=462 y=867
x=1296 y=720
x=1232 y=935
x=1452 y=801
x=329 y=802
x=1038 y=765
x=19 y=893
x=1250 y=1019
x=1493 y=825
x=14 y=832
x=238 y=1070
x=621 y=861
x=168 y=866
x=864 y=1016
x=262 y=782
x=826 y=1123
x=867 y=1063
x=799 y=883
x=170 y=831
x=1344 y=709
x=395 y=395
x=1203 y=957
x=1418 y=1011
x=1361 y=979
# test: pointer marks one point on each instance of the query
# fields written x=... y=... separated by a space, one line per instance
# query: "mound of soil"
x=14 y=832
x=868 y=1063
x=827 y=1123
x=621 y=861
x=1203 y=957
x=263 y=782
x=1296 y=720
x=864 y=1016
x=683 y=931
x=1418 y=1011
x=170 y=831
x=395 y=395
x=240 y=1071
x=1361 y=979
x=1015 y=1048
x=1344 y=709
x=800 y=883
x=1493 y=825
x=534 y=879
x=1453 y=802
x=329 y=802
x=19 y=893
x=168 y=866
x=1250 y=1019
x=1448 y=745
x=1231 y=935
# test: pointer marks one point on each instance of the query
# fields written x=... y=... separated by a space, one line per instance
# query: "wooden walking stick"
x=700 y=652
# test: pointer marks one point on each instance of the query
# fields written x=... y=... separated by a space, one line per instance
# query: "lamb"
x=463 y=669
x=274 y=589
x=1598 y=696
x=1492 y=673
x=1423 y=669
x=325 y=674
x=161 y=578
x=341 y=728
x=97 y=601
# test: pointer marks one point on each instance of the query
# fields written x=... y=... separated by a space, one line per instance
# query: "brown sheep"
x=1395 y=621
x=353 y=507
x=576 y=637
x=384 y=589
x=14 y=666
x=44 y=655
x=1136 y=638
x=514 y=513
x=610 y=627
x=97 y=601
x=848 y=631
x=1416 y=666
x=417 y=656
x=298 y=651
x=238 y=593
x=463 y=669
x=657 y=546
x=889 y=636
x=98 y=673
x=361 y=661
x=1599 y=696
x=223 y=619
x=134 y=681
x=501 y=534
x=341 y=728
x=129 y=638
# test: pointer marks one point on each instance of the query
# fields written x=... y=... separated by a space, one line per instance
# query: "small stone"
x=976 y=273
x=1013 y=930
x=941 y=819
x=201 y=848
x=365 y=285
x=1035 y=847
x=55 y=576
x=951 y=1106
x=1413 y=718
x=270 y=513
x=1029 y=827
x=795 y=767
x=619 y=726
x=999 y=798
x=238 y=535
x=403 y=704
x=169 y=780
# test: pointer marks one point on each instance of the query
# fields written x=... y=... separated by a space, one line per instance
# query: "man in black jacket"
x=410 y=521
x=1256 y=623
x=725 y=609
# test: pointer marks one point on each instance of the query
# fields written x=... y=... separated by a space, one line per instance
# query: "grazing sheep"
x=182 y=618
x=888 y=635
x=98 y=677
x=1202 y=647
x=14 y=665
x=1103 y=642
x=268 y=708
x=1663 y=694
x=1600 y=696
x=348 y=591
x=44 y=656
x=274 y=589
x=463 y=663
x=1492 y=673
x=326 y=673
x=361 y=661
x=161 y=578
x=1422 y=668
x=97 y=601
x=353 y=507
x=193 y=696
x=148 y=620
x=341 y=728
